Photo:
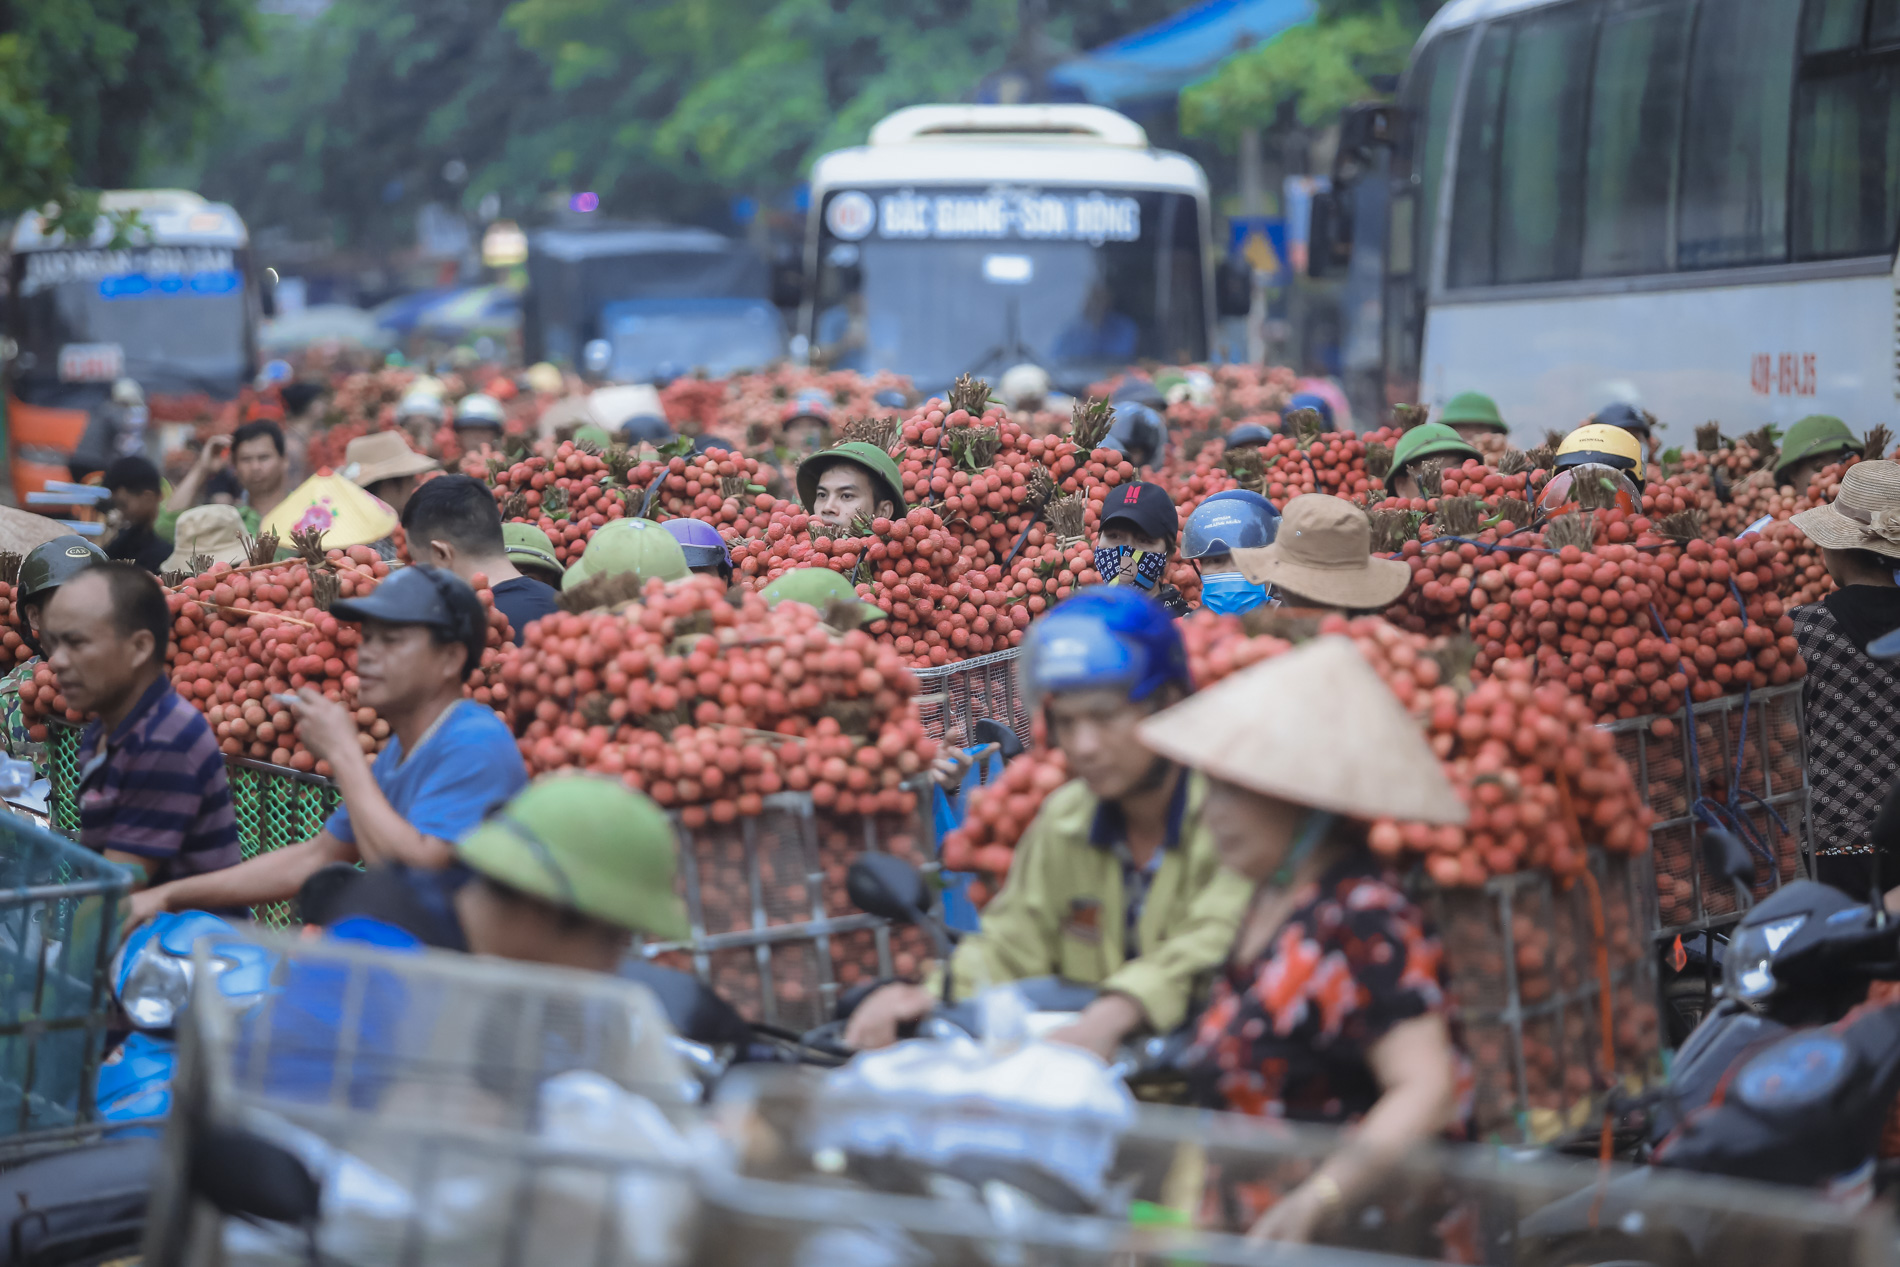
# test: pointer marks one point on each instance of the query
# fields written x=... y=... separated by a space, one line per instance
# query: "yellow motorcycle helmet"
x=1599 y=444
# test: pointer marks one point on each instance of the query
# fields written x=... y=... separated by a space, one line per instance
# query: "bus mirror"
x=1233 y=288
x=1328 y=235
x=788 y=285
x=1368 y=126
x=267 y=292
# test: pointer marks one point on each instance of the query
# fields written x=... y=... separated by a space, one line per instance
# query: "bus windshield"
x=174 y=319
x=975 y=281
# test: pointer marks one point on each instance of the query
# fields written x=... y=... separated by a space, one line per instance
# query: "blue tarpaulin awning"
x=1160 y=61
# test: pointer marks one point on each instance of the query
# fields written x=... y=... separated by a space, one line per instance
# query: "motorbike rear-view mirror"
x=887 y=886
x=987 y=730
x=247 y=1176
x=1727 y=856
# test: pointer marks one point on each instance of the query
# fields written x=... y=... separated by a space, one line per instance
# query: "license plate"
x=91 y=362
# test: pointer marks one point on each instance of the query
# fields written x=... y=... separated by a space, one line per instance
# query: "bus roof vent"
x=153 y=200
x=1010 y=123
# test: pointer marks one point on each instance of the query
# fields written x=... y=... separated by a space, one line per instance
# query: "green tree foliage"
x=1308 y=74
x=89 y=87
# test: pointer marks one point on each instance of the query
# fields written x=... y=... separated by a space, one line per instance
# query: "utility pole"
x=1253 y=202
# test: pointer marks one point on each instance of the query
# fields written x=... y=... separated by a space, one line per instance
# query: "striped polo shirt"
x=156 y=789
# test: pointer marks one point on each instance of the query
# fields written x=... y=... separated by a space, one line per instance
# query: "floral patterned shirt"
x=1287 y=1035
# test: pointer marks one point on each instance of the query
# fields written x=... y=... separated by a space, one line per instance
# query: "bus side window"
x=1734 y=204
x=1846 y=127
x=1635 y=123
x=1474 y=201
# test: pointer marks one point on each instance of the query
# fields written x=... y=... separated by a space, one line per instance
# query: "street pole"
x=1253 y=202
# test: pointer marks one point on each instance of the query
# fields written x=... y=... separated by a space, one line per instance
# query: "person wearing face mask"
x=1225 y=522
x=1135 y=540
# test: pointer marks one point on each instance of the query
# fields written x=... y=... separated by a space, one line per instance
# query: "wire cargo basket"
x=275 y=805
x=1743 y=766
x=422 y=1091
x=952 y=698
x=1523 y=967
x=59 y=924
x=773 y=931
x=1182 y=1186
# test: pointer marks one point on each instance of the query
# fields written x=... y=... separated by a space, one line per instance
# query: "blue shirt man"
x=449 y=761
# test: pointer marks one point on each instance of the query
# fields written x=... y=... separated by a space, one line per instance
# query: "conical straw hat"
x=1316 y=726
x=21 y=530
x=347 y=515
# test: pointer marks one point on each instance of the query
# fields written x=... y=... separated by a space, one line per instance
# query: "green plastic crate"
x=59 y=923
x=275 y=806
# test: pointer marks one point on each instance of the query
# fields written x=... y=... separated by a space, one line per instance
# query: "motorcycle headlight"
x=1748 y=965
x=155 y=987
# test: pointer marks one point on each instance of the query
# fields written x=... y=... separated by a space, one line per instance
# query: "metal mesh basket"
x=1192 y=1182
x=413 y=1086
x=773 y=931
x=1743 y=763
x=275 y=805
x=954 y=697
x=59 y=920
x=1522 y=966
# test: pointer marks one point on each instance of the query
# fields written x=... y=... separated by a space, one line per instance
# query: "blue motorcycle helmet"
x=1106 y=637
x=1315 y=402
x=1249 y=433
x=1137 y=433
x=891 y=398
x=1229 y=521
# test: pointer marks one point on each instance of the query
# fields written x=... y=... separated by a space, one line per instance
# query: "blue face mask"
x=1231 y=593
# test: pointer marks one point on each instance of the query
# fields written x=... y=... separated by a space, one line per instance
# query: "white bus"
x=969 y=238
x=1690 y=205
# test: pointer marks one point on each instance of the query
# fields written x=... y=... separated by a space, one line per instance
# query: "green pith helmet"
x=817 y=588
x=639 y=546
x=528 y=546
x=595 y=435
x=1472 y=409
x=1429 y=440
x=1817 y=435
x=887 y=482
x=586 y=843
x=50 y=564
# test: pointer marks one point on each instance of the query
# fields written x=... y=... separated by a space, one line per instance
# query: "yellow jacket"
x=1060 y=912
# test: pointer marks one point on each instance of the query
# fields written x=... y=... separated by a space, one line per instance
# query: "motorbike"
x=1789 y=1079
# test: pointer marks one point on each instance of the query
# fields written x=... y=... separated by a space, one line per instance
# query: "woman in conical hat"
x=1330 y=1007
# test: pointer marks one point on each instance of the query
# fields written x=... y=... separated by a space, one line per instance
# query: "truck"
x=971 y=238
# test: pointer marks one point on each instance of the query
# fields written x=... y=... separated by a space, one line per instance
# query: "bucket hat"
x=586 y=843
x=639 y=546
x=1316 y=726
x=1816 y=435
x=214 y=530
x=1865 y=515
x=383 y=455
x=1323 y=552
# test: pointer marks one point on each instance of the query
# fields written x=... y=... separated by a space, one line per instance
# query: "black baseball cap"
x=422 y=595
x=1146 y=506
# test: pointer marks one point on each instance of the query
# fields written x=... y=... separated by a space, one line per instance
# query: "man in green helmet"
x=818 y=588
x=1432 y=440
x=532 y=553
x=637 y=546
x=1816 y=442
x=1473 y=414
x=46 y=567
x=852 y=479
x=567 y=872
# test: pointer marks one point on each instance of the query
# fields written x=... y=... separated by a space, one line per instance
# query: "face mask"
x=1150 y=565
x=1230 y=593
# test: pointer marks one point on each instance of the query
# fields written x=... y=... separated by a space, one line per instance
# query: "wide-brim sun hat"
x=215 y=531
x=1323 y=553
x=1317 y=727
x=1865 y=515
x=383 y=455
